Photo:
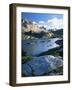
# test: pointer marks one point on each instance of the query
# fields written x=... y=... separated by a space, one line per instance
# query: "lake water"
x=35 y=47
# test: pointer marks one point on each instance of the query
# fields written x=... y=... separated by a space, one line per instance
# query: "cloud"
x=41 y=22
x=55 y=23
x=34 y=22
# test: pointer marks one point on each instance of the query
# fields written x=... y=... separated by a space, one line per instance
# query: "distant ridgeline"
x=32 y=30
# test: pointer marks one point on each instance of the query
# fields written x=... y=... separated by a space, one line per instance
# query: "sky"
x=48 y=20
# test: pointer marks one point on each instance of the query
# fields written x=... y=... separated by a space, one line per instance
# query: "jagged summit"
x=32 y=26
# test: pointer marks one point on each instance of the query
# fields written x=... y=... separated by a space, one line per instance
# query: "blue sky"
x=50 y=21
x=40 y=16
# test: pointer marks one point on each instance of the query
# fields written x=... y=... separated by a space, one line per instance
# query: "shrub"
x=26 y=58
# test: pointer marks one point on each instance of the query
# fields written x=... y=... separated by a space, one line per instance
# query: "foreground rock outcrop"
x=43 y=65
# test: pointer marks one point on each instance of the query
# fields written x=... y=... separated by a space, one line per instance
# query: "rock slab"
x=41 y=65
